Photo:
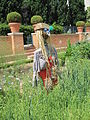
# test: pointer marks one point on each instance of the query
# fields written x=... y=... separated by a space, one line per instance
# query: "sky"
x=87 y=4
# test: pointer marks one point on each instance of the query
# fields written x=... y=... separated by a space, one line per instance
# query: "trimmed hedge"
x=80 y=23
x=87 y=24
x=4 y=29
x=36 y=19
x=14 y=17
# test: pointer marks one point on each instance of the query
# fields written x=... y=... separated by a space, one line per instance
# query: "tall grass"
x=69 y=100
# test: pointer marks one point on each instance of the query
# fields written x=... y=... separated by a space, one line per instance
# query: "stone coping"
x=82 y=32
x=15 y=33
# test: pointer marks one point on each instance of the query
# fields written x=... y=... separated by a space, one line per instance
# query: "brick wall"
x=11 y=44
x=5 y=45
x=17 y=42
x=60 y=40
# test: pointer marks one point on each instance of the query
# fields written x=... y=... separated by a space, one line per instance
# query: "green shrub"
x=69 y=49
x=81 y=50
x=62 y=57
x=87 y=24
x=57 y=28
x=27 y=30
x=36 y=19
x=4 y=29
x=88 y=14
x=80 y=23
x=13 y=17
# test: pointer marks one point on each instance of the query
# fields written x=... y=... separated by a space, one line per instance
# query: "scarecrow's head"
x=46 y=32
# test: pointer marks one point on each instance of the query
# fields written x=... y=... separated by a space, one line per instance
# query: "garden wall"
x=60 y=40
x=11 y=44
x=5 y=45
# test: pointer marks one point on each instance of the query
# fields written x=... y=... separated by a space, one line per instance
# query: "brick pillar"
x=35 y=40
x=81 y=36
x=17 y=42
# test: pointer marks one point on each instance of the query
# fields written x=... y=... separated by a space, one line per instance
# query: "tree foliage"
x=51 y=10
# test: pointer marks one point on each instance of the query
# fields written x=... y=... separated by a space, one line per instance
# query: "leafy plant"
x=68 y=100
x=57 y=28
x=81 y=50
x=80 y=23
x=62 y=57
x=13 y=17
x=4 y=29
x=69 y=49
x=36 y=19
x=87 y=24
x=88 y=14
x=26 y=29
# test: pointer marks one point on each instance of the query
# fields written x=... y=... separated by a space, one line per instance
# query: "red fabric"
x=42 y=73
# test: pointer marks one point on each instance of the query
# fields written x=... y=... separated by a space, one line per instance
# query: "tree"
x=76 y=11
x=62 y=10
x=88 y=14
x=7 y=6
x=51 y=10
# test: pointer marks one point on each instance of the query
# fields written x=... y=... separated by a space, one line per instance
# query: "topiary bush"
x=87 y=24
x=14 y=17
x=80 y=23
x=36 y=19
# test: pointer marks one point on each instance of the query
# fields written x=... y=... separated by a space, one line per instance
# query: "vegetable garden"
x=69 y=100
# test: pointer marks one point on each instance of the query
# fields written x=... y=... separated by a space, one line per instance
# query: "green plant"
x=27 y=30
x=69 y=100
x=62 y=57
x=57 y=28
x=80 y=23
x=69 y=49
x=36 y=19
x=4 y=29
x=88 y=14
x=81 y=50
x=13 y=17
x=87 y=24
x=21 y=61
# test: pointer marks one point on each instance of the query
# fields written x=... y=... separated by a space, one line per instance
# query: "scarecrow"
x=45 y=63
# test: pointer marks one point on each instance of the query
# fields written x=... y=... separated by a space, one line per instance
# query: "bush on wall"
x=36 y=19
